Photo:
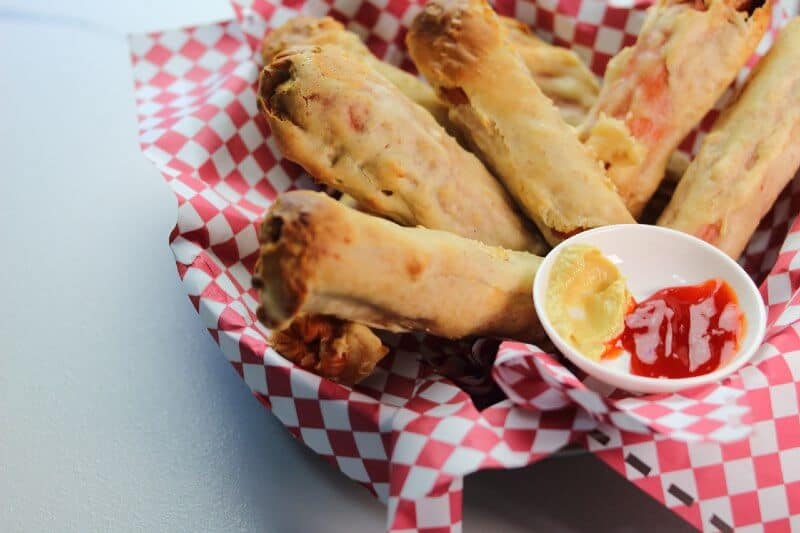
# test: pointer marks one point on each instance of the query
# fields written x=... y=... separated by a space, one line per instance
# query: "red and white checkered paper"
x=723 y=457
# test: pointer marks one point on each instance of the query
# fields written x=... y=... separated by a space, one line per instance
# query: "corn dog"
x=353 y=130
x=752 y=152
x=321 y=257
x=686 y=55
x=462 y=49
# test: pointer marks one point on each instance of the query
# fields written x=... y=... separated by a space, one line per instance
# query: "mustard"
x=586 y=299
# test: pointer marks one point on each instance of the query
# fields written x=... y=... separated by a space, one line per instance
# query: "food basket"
x=722 y=457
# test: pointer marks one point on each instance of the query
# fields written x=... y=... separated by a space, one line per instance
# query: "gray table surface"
x=117 y=410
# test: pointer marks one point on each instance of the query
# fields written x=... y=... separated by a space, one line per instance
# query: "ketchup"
x=681 y=332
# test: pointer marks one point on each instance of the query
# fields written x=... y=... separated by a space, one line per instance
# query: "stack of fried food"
x=453 y=190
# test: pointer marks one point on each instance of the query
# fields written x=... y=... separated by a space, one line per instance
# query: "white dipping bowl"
x=653 y=258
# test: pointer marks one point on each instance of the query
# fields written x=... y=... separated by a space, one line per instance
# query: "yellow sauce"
x=612 y=142
x=586 y=299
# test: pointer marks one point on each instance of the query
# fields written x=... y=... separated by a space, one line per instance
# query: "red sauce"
x=682 y=331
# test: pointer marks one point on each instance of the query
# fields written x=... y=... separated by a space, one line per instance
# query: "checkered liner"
x=407 y=434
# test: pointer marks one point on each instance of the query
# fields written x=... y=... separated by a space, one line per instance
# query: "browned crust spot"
x=450 y=38
x=271 y=78
x=414 y=267
x=290 y=247
x=454 y=95
x=277 y=99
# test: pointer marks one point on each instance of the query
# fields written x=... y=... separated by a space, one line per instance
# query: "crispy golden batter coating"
x=302 y=30
x=752 y=152
x=686 y=55
x=321 y=257
x=353 y=130
x=462 y=49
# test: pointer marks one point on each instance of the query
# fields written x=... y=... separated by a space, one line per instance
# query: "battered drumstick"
x=687 y=53
x=558 y=71
x=353 y=130
x=304 y=30
x=752 y=152
x=320 y=257
x=461 y=48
